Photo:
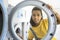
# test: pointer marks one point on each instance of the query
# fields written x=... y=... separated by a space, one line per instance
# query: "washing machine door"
x=3 y=21
x=39 y=4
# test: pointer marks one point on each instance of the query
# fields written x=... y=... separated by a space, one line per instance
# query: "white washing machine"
x=39 y=4
x=3 y=20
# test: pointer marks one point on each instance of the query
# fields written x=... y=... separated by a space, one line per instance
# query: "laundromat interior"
x=20 y=18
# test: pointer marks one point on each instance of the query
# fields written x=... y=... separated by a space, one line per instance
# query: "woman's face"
x=36 y=16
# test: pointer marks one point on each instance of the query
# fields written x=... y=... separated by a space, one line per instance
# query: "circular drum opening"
x=1 y=20
x=39 y=4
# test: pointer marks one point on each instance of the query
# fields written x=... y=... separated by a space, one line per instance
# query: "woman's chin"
x=36 y=23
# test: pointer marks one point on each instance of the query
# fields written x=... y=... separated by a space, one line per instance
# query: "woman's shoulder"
x=44 y=20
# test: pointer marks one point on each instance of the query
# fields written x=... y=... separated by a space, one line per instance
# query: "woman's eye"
x=38 y=15
x=34 y=15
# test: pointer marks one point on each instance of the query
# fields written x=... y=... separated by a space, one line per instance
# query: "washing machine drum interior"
x=1 y=20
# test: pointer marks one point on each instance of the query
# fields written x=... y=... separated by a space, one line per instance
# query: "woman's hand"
x=49 y=6
x=56 y=14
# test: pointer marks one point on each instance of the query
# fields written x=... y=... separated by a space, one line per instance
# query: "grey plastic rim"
x=41 y=5
x=5 y=21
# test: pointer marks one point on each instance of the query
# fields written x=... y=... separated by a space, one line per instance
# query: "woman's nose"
x=36 y=17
